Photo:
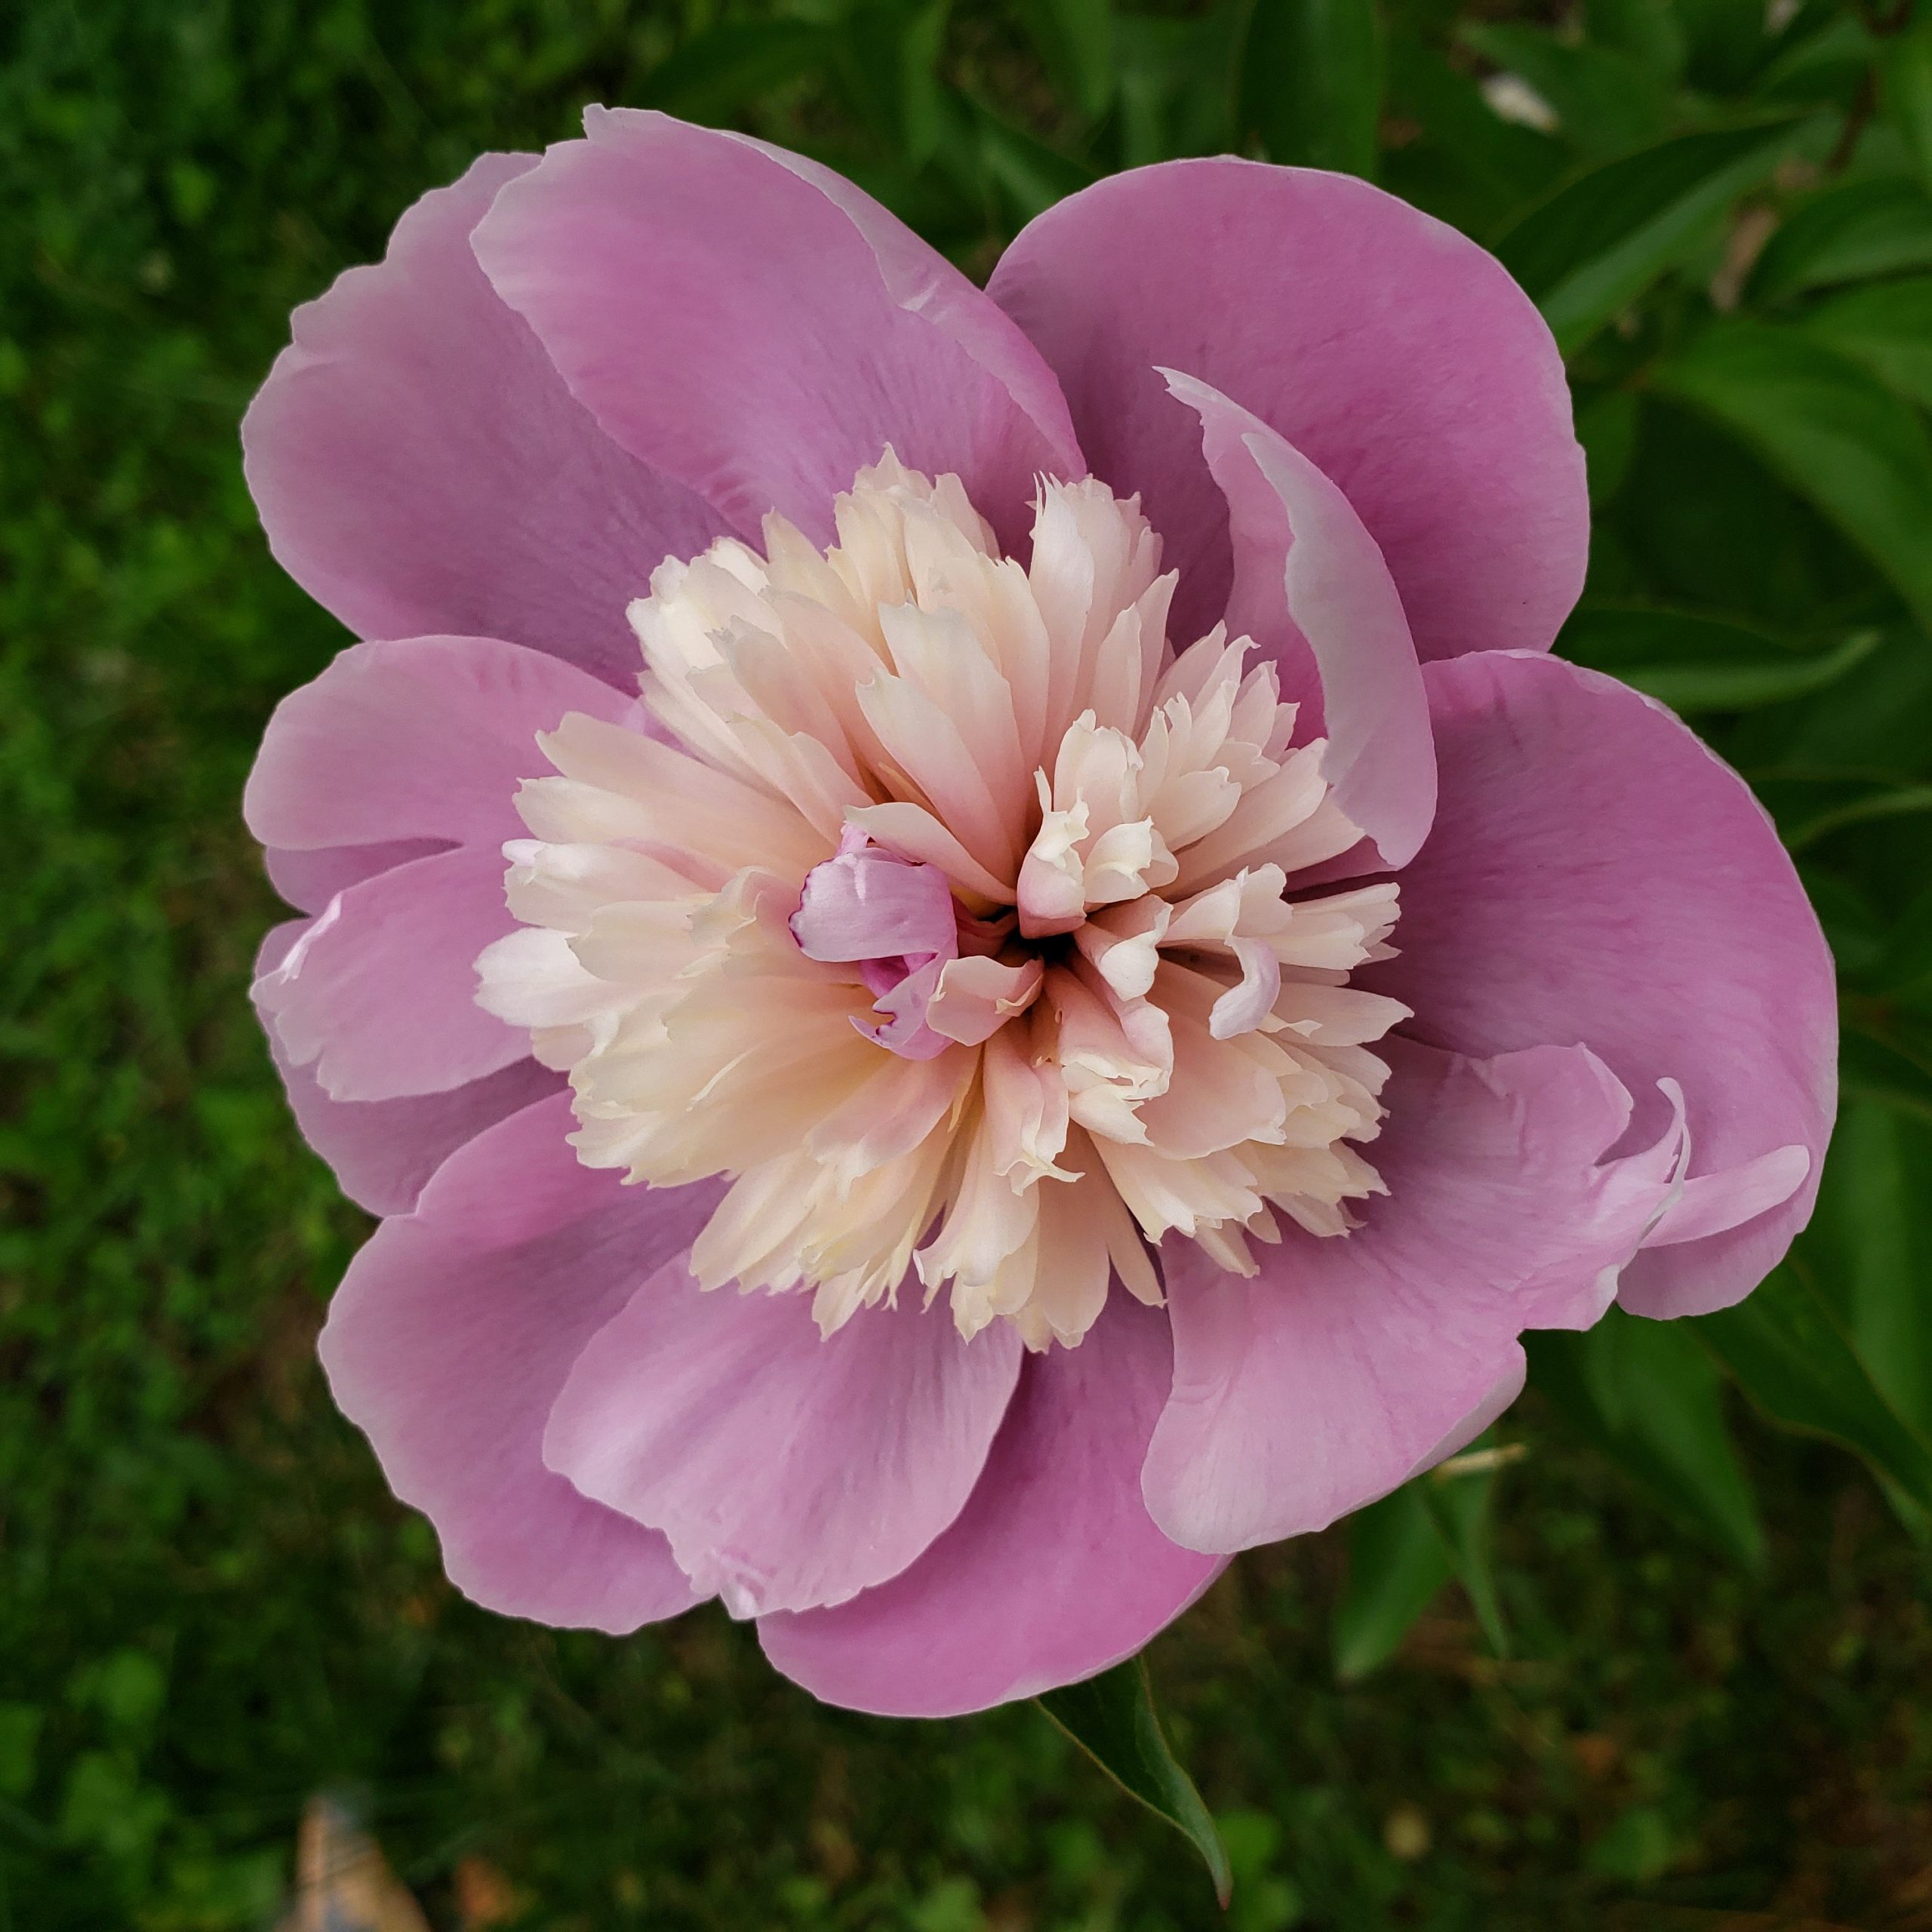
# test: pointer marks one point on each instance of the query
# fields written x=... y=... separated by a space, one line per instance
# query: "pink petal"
x=1596 y=874
x=379 y=995
x=1054 y=1570
x=425 y=739
x=904 y=1004
x=382 y=1152
x=1500 y=1400
x=744 y=322
x=1397 y=357
x=308 y=881
x=449 y=1337
x=973 y=998
x=787 y=1470
x=419 y=467
x=1327 y=1378
x=1310 y=587
x=1715 y=1203
x=870 y=904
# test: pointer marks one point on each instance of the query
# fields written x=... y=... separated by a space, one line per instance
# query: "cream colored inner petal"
x=1148 y=1033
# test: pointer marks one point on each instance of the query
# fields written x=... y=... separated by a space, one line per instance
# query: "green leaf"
x=1460 y=159
x=1457 y=1495
x=922 y=114
x=1868 y=730
x=1398 y=1563
x=1076 y=40
x=888 y=62
x=1887 y=327
x=1829 y=428
x=1905 y=73
x=1172 y=76
x=1111 y=1718
x=1867 y=801
x=1607 y=427
x=1403 y=1549
x=1695 y=663
x=19 y=1737
x=1875 y=1061
x=1869 y=1248
x=1033 y=175
x=1593 y=247
x=1792 y=1356
x=1848 y=234
x=1729 y=41
x=1605 y=103
x=710 y=76
x=1745 y=684
x=1647 y=30
x=1309 y=82
x=1647 y=1395
x=1667 y=1394
x=1637 y=1850
x=1824 y=67
x=1903 y=969
x=1852 y=926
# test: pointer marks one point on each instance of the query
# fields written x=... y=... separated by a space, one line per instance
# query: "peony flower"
x=968 y=942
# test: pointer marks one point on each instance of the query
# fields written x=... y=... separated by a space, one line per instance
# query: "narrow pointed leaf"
x=1667 y=1394
x=1877 y=1064
x=1590 y=249
x=1863 y=228
x=1467 y=162
x=1111 y=1718
x=1869 y=1249
x=1887 y=328
x=1398 y=1563
x=1310 y=81
x=1033 y=175
x=1605 y=102
x=1647 y=30
x=1694 y=663
x=706 y=78
x=1906 y=79
x=1403 y=1549
x=1458 y=1502
x=1075 y=41
x=1647 y=1395
x=1793 y=1358
x=1833 y=432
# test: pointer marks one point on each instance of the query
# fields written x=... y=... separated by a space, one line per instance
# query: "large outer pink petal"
x=449 y=1337
x=1332 y=1375
x=1310 y=585
x=308 y=880
x=745 y=322
x=426 y=738
x=1596 y=875
x=1054 y=1570
x=379 y=994
x=1394 y=353
x=382 y=1152
x=420 y=466
x=787 y=1470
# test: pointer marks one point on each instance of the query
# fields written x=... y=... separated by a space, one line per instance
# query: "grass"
x=212 y=1608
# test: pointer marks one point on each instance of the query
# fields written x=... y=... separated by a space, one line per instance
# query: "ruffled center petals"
x=960 y=929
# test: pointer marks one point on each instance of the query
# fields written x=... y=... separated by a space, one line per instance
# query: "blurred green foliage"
x=1715 y=1609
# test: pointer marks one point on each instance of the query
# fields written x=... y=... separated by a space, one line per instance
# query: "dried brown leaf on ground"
x=343 y=1882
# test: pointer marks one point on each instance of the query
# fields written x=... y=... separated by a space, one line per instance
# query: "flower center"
x=944 y=908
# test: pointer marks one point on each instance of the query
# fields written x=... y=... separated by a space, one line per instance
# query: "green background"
x=1671 y=1663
